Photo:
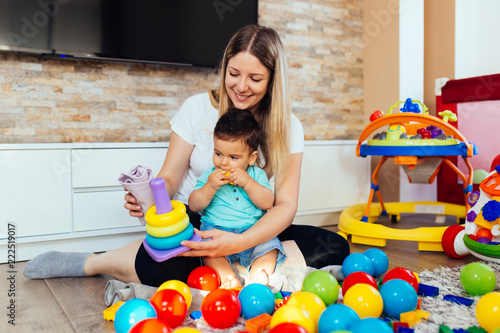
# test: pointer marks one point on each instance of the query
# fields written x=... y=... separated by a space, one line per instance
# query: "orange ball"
x=483 y=232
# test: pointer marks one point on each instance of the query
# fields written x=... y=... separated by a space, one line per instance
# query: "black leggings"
x=319 y=247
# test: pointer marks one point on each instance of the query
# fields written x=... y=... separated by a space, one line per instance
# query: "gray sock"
x=54 y=264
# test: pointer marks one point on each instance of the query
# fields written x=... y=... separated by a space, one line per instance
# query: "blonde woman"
x=254 y=76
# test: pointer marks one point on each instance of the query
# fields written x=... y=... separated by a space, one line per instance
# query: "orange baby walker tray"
x=420 y=143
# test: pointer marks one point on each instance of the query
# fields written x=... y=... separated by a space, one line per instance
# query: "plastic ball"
x=255 y=300
x=336 y=317
x=365 y=300
x=488 y=311
x=310 y=302
x=357 y=262
x=323 y=284
x=170 y=306
x=358 y=277
x=484 y=233
x=186 y=330
x=204 y=278
x=180 y=287
x=477 y=278
x=403 y=274
x=131 y=312
x=221 y=308
x=372 y=325
x=399 y=297
x=150 y=325
x=483 y=240
x=379 y=260
x=288 y=328
x=293 y=314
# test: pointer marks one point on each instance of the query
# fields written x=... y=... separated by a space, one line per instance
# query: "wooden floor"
x=76 y=304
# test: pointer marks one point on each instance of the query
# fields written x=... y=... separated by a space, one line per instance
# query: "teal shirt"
x=231 y=207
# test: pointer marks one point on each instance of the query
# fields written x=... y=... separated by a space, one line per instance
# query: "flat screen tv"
x=175 y=32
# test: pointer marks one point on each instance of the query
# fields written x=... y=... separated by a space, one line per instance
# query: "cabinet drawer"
x=102 y=167
x=101 y=210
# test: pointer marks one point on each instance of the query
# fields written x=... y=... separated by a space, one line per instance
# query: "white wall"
x=477 y=45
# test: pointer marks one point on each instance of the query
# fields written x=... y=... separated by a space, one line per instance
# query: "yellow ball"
x=310 y=302
x=180 y=287
x=365 y=300
x=293 y=314
x=186 y=330
x=488 y=311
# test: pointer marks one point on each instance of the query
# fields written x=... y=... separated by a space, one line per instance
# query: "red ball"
x=170 y=306
x=150 y=325
x=483 y=232
x=358 y=277
x=403 y=274
x=203 y=278
x=221 y=308
x=288 y=328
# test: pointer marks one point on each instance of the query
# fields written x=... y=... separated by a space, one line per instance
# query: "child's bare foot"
x=260 y=276
x=230 y=282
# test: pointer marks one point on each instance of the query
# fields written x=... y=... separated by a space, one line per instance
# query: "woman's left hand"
x=221 y=243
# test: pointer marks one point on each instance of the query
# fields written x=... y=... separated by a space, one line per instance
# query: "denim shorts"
x=247 y=257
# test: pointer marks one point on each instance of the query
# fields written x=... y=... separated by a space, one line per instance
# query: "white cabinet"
x=67 y=197
x=35 y=191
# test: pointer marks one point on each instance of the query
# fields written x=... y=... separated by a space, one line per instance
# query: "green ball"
x=496 y=331
x=478 y=278
x=323 y=284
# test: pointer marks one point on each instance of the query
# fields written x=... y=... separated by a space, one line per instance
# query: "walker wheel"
x=448 y=240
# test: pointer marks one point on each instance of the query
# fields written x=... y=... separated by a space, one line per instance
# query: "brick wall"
x=65 y=100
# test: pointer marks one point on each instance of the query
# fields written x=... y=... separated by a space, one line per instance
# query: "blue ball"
x=357 y=262
x=399 y=296
x=379 y=260
x=372 y=325
x=131 y=312
x=336 y=317
x=255 y=300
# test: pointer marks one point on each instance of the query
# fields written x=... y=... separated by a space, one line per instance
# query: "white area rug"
x=444 y=312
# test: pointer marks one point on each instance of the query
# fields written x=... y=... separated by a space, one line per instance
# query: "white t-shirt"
x=194 y=123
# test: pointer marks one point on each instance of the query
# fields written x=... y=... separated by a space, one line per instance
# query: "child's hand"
x=239 y=177
x=217 y=178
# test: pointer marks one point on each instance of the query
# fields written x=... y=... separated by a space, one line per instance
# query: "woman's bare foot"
x=259 y=276
x=230 y=282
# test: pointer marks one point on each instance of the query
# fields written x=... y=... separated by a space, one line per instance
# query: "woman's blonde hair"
x=274 y=109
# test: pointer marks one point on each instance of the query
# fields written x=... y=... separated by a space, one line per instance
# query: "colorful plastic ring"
x=169 y=230
x=167 y=243
x=163 y=220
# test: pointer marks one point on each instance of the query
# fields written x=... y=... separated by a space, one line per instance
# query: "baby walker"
x=420 y=143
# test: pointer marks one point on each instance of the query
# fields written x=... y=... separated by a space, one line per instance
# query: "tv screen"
x=176 y=32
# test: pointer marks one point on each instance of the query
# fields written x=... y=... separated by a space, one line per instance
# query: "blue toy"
x=372 y=325
x=399 y=296
x=458 y=300
x=336 y=317
x=357 y=262
x=426 y=290
x=379 y=259
x=131 y=312
x=255 y=300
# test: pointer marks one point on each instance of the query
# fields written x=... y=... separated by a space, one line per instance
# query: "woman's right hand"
x=131 y=204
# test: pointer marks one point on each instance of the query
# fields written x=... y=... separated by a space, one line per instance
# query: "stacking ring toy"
x=163 y=220
x=167 y=243
x=169 y=230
